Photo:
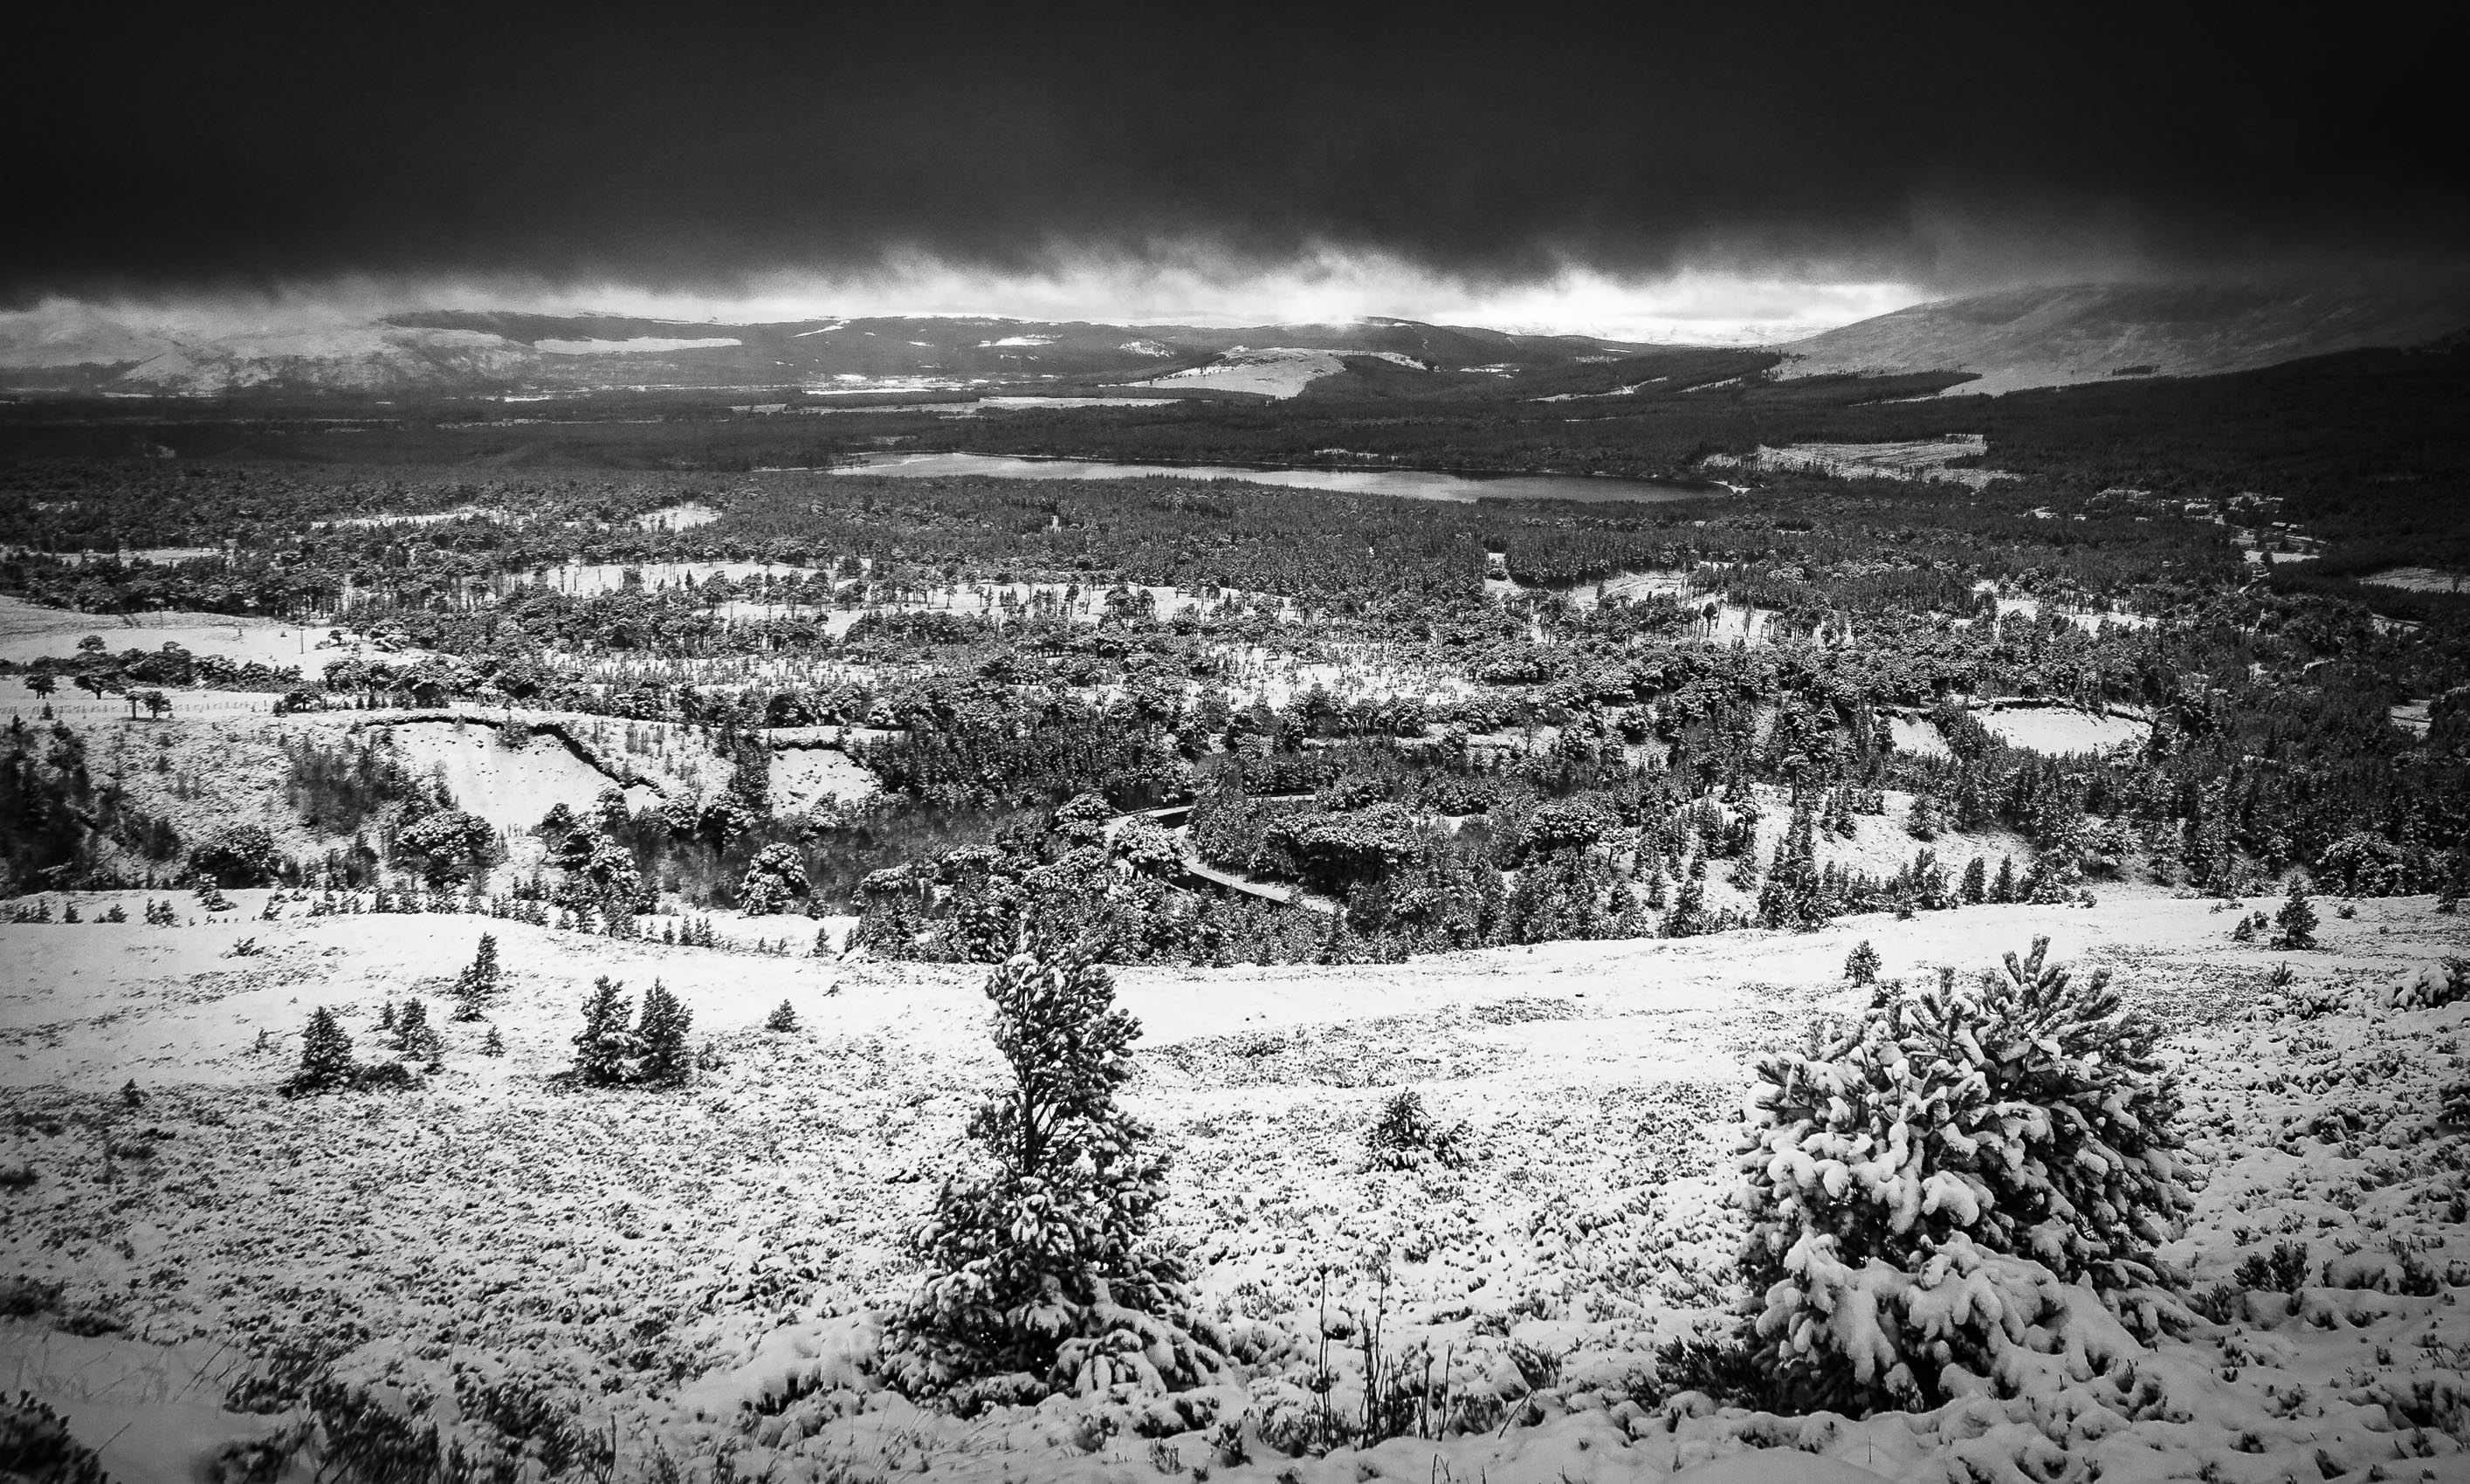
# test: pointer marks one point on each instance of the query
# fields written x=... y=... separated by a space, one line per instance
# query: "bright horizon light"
x=1326 y=286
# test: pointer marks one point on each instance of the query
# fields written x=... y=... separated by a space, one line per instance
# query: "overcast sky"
x=1639 y=164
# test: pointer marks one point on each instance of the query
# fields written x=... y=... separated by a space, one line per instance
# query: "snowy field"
x=677 y=518
x=1269 y=372
x=2059 y=730
x=76 y=708
x=802 y=777
x=30 y=631
x=2416 y=579
x=510 y=786
x=1919 y=737
x=685 y=1267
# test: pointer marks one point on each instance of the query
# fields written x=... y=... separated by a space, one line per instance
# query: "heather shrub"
x=1921 y=1184
x=1042 y=1272
x=37 y=1446
x=2429 y=986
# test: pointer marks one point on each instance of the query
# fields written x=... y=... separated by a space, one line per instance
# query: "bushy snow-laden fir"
x=1921 y=1185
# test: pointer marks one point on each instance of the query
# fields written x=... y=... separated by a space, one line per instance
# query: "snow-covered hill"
x=76 y=347
x=2101 y=332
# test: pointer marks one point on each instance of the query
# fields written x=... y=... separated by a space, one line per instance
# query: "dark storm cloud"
x=686 y=145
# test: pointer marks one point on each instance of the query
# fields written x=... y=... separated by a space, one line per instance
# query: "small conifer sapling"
x=2294 y=924
x=478 y=985
x=325 y=1055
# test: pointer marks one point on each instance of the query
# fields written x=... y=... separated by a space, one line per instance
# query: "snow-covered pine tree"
x=1921 y=1184
x=478 y=985
x=1861 y=965
x=1790 y=896
x=2294 y=924
x=414 y=1036
x=605 y=1045
x=1688 y=918
x=325 y=1056
x=660 y=1039
x=1042 y=1273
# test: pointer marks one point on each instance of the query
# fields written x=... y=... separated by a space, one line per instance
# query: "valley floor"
x=694 y=1267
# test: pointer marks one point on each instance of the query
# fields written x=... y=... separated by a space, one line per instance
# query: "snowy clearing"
x=29 y=632
x=755 y=1210
x=805 y=777
x=2060 y=730
x=505 y=776
x=1271 y=371
x=2413 y=579
x=677 y=518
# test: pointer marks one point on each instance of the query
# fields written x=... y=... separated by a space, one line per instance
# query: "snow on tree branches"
x=1921 y=1184
x=1042 y=1271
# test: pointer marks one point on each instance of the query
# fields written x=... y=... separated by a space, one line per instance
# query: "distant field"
x=31 y=631
x=2420 y=579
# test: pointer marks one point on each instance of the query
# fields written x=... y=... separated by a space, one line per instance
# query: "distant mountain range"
x=2103 y=331
x=2008 y=341
x=75 y=348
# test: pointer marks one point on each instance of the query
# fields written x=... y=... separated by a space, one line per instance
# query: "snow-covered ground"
x=505 y=776
x=677 y=518
x=2058 y=729
x=30 y=631
x=2413 y=579
x=1270 y=371
x=1919 y=737
x=805 y=776
x=650 y=1254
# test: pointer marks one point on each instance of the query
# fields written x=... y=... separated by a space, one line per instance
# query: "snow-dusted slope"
x=534 y=1227
x=62 y=345
x=2099 y=331
x=167 y=355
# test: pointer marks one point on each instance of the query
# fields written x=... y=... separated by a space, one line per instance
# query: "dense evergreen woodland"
x=1427 y=725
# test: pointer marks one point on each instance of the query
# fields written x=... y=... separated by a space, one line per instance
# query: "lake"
x=1402 y=484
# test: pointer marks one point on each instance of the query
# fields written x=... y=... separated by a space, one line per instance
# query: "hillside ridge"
x=2057 y=336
